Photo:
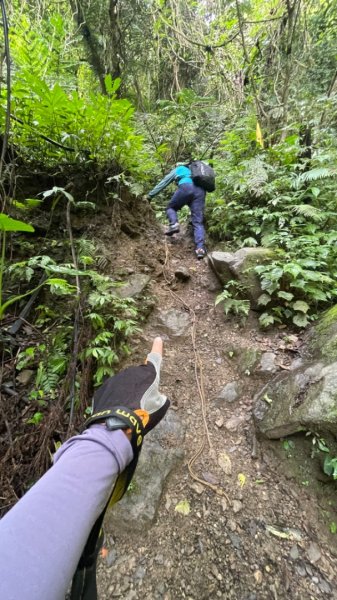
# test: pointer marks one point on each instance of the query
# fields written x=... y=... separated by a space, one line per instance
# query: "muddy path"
x=251 y=530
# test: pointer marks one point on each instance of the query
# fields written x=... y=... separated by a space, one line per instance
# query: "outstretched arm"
x=43 y=536
x=163 y=184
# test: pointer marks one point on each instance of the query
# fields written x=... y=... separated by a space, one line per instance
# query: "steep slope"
x=252 y=527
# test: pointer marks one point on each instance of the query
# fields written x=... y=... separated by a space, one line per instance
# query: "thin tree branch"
x=206 y=46
x=259 y=108
x=8 y=83
x=44 y=137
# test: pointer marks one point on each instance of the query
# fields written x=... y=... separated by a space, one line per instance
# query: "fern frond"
x=256 y=175
x=310 y=212
x=314 y=174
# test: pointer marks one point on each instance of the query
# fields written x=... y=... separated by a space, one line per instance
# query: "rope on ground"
x=199 y=376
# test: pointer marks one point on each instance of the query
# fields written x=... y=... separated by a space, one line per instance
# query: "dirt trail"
x=223 y=548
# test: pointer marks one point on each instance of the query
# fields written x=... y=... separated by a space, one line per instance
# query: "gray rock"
x=182 y=273
x=294 y=552
x=220 y=263
x=237 y=506
x=267 y=363
x=111 y=558
x=236 y=540
x=314 y=553
x=234 y=422
x=300 y=569
x=134 y=286
x=248 y=359
x=161 y=452
x=240 y=265
x=301 y=400
x=229 y=393
x=174 y=322
x=324 y=586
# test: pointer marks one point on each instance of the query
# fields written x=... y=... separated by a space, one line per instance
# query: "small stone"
x=237 y=506
x=231 y=525
x=210 y=478
x=25 y=376
x=324 y=586
x=229 y=393
x=314 y=553
x=315 y=579
x=258 y=577
x=111 y=558
x=219 y=422
x=224 y=504
x=268 y=568
x=182 y=273
x=236 y=540
x=267 y=363
x=233 y=423
x=218 y=361
x=294 y=553
x=300 y=569
x=216 y=573
x=140 y=573
x=197 y=487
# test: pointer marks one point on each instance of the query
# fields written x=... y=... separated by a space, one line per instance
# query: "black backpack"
x=203 y=175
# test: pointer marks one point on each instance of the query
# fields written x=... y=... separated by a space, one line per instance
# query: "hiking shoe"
x=173 y=229
x=200 y=253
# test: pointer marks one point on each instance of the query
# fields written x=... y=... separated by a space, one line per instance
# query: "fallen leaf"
x=241 y=479
x=267 y=399
x=258 y=577
x=225 y=463
x=285 y=533
x=183 y=507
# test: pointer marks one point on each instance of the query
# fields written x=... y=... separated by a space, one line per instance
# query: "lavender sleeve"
x=42 y=537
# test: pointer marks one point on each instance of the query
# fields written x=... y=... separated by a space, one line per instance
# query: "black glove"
x=131 y=399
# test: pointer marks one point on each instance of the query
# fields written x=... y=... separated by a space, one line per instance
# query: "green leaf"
x=264 y=299
x=301 y=306
x=9 y=224
x=266 y=319
x=330 y=467
x=183 y=507
x=285 y=295
x=300 y=320
x=322 y=445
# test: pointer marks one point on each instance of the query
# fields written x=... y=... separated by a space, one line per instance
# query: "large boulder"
x=161 y=453
x=240 y=266
x=301 y=400
x=134 y=286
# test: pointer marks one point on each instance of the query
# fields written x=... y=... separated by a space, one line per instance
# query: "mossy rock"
x=304 y=400
x=324 y=336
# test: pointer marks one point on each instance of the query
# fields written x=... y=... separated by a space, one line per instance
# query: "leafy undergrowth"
x=66 y=325
x=273 y=198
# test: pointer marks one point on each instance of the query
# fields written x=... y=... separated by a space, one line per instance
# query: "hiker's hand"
x=131 y=399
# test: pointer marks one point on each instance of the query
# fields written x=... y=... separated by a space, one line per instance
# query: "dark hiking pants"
x=189 y=195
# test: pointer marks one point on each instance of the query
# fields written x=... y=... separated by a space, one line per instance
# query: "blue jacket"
x=179 y=174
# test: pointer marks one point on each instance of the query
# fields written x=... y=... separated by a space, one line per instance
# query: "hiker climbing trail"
x=202 y=518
